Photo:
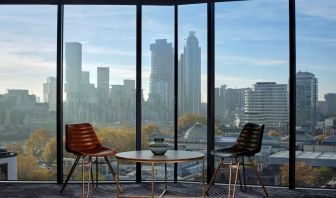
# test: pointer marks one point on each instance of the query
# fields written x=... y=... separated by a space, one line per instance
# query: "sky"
x=251 y=41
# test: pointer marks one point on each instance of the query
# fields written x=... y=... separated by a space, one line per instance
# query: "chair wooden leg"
x=92 y=183
x=244 y=173
x=258 y=176
x=220 y=164
x=83 y=173
x=70 y=173
x=239 y=176
x=89 y=172
x=113 y=174
x=236 y=176
x=96 y=172
x=230 y=170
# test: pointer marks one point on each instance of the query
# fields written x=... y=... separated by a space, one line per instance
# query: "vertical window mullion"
x=211 y=87
x=138 y=86
x=292 y=94
x=59 y=90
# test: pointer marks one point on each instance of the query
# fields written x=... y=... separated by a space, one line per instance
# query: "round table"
x=171 y=156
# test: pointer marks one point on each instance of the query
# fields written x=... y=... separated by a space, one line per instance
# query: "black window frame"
x=211 y=73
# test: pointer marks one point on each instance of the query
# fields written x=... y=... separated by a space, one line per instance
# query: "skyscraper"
x=73 y=78
x=73 y=64
x=103 y=81
x=103 y=92
x=190 y=63
x=181 y=86
x=306 y=100
x=161 y=93
x=49 y=93
x=267 y=103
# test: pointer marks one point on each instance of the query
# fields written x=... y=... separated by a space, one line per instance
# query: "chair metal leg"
x=220 y=164
x=258 y=176
x=113 y=174
x=70 y=173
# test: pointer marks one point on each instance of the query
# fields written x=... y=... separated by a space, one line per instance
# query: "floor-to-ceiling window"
x=28 y=92
x=315 y=94
x=251 y=80
x=192 y=86
x=157 y=79
x=99 y=77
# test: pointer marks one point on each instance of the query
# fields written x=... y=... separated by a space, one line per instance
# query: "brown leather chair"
x=82 y=141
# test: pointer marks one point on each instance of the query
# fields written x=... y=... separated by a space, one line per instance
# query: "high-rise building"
x=330 y=103
x=267 y=103
x=103 y=91
x=181 y=86
x=190 y=63
x=129 y=84
x=229 y=104
x=73 y=65
x=306 y=100
x=85 y=77
x=103 y=81
x=49 y=93
x=161 y=93
x=73 y=79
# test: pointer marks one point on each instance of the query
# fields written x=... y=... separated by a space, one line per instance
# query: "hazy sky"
x=251 y=41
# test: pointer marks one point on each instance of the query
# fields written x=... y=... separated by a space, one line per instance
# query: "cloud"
x=109 y=51
x=238 y=82
x=244 y=60
x=317 y=8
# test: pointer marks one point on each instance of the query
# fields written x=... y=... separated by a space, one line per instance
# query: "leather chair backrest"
x=80 y=137
x=250 y=138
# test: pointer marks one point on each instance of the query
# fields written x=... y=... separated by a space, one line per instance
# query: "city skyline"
x=39 y=51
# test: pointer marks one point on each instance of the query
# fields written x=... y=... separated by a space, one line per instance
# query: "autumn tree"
x=273 y=133
x=37 y=141
x=49 y=152
x=15 y=147
x=123 y=139
x=188 y=119
x=305 y=175
x=29 y=169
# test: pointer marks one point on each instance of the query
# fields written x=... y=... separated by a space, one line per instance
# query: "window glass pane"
x=157 y=80
x=99 y=77
x=251 y=80
x=315 y=93
x=192 y=86
x=28 y=92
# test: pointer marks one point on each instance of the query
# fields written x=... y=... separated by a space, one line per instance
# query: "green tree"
x=325 y=174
